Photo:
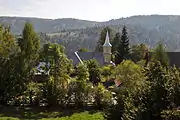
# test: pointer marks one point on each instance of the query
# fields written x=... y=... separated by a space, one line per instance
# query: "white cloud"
x=87 y=9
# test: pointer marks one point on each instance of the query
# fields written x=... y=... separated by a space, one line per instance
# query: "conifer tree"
x=29 y=46
x=123 y=47
x=30 y=42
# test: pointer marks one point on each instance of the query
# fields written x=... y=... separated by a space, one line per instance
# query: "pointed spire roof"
x=107 y=43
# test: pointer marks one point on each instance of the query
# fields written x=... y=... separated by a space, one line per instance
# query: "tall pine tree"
x=123 y=48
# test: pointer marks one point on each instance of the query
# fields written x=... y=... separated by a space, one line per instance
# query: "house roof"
x=87 y=56
x=174 y=58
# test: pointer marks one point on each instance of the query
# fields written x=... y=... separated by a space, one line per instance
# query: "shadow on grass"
x=40 y=112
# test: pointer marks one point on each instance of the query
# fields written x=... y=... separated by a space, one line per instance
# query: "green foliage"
x=123 y=48
x=60 y=70
x=94 y=71
x=80 y=116
x=29 y=43
x=10 y=84
x=87 y=115
x=29 y=46
x=160 y=54
x=106 y=71
x=80 y=85
x=172 y=86
x=170 y=114
x=156 y=99
x=130 y=74
x=82 y=73
x=7 y=42
x=22 y=63
x=138 y=52
x=102 y=97
x=133 y=87
x=83 y=50
x=9 y=118
x=34 y=93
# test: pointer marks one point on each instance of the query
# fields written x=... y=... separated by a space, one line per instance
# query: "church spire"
x=107 y=49
x=107 y=43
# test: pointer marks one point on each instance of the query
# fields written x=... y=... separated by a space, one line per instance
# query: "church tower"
x=107 y=49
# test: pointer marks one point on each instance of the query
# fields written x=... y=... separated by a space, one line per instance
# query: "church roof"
x=86 y=56
x=107 y=43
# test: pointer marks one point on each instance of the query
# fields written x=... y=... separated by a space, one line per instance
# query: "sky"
x=94 y=10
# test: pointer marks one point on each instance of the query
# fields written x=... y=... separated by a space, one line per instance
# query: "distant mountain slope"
x=150 y=22
x=45 y=25
x=81 y=33
x=171 y=22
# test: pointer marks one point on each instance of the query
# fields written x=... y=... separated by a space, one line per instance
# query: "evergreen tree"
x=29 y=54
x=102 y=38
x=123 y=47
x=30 y=42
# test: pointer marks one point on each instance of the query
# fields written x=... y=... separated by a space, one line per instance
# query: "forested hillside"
x=76 y=33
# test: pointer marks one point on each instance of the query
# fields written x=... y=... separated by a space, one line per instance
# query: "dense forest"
x=80 y=33
x=139 y=87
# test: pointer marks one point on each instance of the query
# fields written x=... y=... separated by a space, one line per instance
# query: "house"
x=102 y=57
x=174 y=58
x=41 y=72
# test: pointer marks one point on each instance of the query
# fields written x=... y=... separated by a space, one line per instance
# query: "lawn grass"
x=80 y=116
x=10 y=113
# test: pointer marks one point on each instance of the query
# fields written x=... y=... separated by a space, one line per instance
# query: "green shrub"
x=170 y=114
x=102 y=97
